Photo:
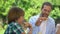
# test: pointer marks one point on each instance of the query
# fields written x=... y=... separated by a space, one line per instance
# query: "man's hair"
x=46 y=3
x=14 y=14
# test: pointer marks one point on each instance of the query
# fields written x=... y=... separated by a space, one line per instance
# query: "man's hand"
x=39 y=21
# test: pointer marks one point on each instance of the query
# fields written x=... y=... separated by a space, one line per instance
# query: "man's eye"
x=46 y=10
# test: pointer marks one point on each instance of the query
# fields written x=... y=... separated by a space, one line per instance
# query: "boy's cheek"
x=21 y=19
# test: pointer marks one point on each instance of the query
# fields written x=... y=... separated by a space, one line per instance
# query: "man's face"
x=46 y=10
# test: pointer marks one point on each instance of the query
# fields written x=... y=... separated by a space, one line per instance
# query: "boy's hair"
x=14 y=14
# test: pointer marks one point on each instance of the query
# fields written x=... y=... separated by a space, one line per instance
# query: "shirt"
x=14 y=28
x=50 y=26
x=43 y=27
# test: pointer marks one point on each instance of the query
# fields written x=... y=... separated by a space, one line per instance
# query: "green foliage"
x=2 y=30
x=29 y=6
x=4 y=6
x=55 y=13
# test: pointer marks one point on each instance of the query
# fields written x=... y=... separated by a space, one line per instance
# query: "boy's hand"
x=23 y=33
x=27 y=25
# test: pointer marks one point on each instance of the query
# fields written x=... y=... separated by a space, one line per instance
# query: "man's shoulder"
x=34 y=17
x=50 y=18
x=52 y=21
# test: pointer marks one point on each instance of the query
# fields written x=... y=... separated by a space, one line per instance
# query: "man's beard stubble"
x=44 y=15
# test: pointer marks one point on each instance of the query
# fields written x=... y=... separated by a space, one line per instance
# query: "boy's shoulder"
x=14 y=24
x=10 y=25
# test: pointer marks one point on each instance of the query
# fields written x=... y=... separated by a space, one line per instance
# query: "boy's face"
x=20 y=19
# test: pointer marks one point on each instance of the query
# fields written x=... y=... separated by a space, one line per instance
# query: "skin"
x=20 y=21
x=46 y=11
x=44 y=14
x=58 y=31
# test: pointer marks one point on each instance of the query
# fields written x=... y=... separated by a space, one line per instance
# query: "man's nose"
x=47 y=12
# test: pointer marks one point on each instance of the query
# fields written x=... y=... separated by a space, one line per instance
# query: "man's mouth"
x=45 y=15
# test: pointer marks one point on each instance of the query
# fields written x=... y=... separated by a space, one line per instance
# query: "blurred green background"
x=31 y=8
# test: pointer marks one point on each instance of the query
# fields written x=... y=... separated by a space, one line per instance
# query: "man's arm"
x=53 y=27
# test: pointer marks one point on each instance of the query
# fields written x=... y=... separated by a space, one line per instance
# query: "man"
x=43 y=24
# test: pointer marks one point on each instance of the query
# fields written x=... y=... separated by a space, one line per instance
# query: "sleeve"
x=53 y=27
x=32 y=21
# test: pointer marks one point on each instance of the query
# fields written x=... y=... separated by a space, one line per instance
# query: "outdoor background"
x=31 y=8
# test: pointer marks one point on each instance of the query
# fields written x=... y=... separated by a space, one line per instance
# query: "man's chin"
x=45 y=15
